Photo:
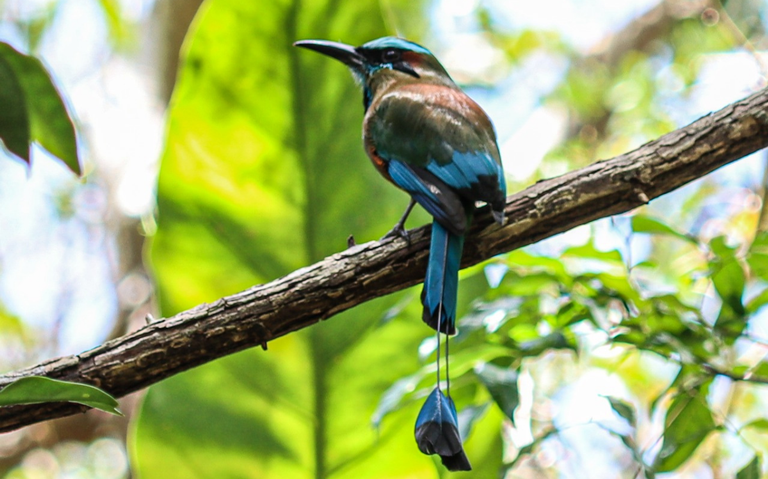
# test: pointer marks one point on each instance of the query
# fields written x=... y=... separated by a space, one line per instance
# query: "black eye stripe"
x=383 y=56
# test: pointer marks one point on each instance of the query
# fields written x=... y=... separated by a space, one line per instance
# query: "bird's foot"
x=398 y=232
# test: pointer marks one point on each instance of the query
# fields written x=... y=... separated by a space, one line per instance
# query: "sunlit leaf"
x=49 y=121
x=556 y=340
x=687 y=377
x=760 y=370
x=757 y=302
x=646 y=224
x=36 y=25
x=393 y=397
x=623 y=409
x=687 y=423
x=757 y=256
x=11 y=324
x=589 y=251
x=116 y=21
x=761 y=424
x=729 y=281
x=751 y=470
x=522 y=258
x=572 y=313
x=719 y=246
x=38 y=389
x=502 y=385
x=532 y=283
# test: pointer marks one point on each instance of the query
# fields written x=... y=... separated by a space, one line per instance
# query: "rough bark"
x=339 y=282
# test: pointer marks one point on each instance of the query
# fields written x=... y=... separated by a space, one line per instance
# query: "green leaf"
x=754 y=304
x=14 y=119
x=392 y=399
x=687 y=423
x=49 y=122
x=502 y=385
x=646 y=224
x=522 y=258
x=761 y=423
x=38 y=389
x=529 y=284
x=757 y=256
x=729 y=281
x=10 y=324
x=484 y=444
x=589 y=251
x=468 y=416
x=687 y=377
x=555 y=340
x=623 y=409
x=751 y=470
x=719 y=246
x=760 y=370
x=117 y=23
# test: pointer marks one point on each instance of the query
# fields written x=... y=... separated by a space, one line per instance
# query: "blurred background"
x=607 y=351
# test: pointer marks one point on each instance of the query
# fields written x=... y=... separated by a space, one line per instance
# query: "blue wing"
x=443 y=189
x=431 y=193
x=474 y=174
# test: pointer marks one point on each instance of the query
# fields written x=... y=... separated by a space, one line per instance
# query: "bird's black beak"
x=344 y=53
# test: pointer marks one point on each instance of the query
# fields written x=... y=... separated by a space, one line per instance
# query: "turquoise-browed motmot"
x=430 y=139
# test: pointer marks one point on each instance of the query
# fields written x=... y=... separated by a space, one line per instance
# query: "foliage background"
x=631 y=347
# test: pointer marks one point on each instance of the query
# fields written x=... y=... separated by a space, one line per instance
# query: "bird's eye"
x=390 y=56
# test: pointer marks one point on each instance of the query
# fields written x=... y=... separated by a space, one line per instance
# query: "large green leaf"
x=688 y=422
x=49 y=121
x=264 y=172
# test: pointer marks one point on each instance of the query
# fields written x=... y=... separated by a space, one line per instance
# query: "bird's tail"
x=441 y=282
x=437 y=432
x=437 y=427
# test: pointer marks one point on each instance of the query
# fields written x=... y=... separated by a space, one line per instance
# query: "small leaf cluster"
x=33 y=110
x=589 y=299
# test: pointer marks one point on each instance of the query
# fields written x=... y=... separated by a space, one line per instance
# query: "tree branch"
x=339 y=282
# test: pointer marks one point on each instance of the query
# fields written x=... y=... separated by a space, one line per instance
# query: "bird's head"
x=384 y=60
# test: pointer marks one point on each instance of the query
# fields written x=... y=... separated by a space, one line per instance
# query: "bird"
x=430 y=139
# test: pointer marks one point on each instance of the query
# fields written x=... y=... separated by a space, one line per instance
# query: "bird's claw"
x=398 y=232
